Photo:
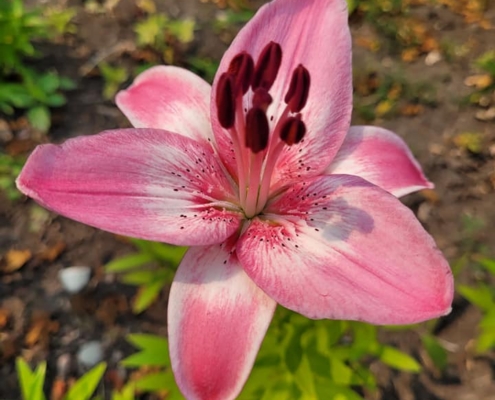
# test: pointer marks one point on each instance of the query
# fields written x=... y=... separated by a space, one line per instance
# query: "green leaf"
x=488 y=320
x=16 y=94
x=365 y=340
x=39 y=117
x=480 y=296
x=85 y=386
x=49 y=83
x=128 y=262
x=485 y=341
x=487 y=62
x=305 y=380
x=320 y=365
x=67 y=83
x=156 y=382
x=113 y=76
x=488 y=264
x=127 y=393
x=168 y=253
x=435 y=351
x=56 y=100
x=146 y=295
x=183 y=30
x=145 y=276
x=294 y=352
x=154 y=351
x=146 y=341
x=31 y=382
x=150 y=31
x=352 y=5
x=326 y=390
x=363 y=376
x=340 y=372
x=397 y=359
x=335 y=330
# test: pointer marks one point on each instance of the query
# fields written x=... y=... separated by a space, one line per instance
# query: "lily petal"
x=382 y=158
x=170 y=98
x=346 y=249
x=144 y=183
x=217 y=318
x=313 y=33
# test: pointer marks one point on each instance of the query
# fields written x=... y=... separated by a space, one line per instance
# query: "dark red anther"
x=225 y=100
x=292 y=130
x=262 y=98
x=242 y=69
x=257 y=130
x=297 y=95
x=267 y=66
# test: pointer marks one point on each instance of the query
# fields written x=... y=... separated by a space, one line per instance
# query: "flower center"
x=242 y=99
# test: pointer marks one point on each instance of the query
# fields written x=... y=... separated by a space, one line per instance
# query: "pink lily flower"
x=281 y=201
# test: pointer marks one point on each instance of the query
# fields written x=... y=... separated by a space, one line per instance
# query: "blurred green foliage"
x=482 y=295
x=157 y=34
x=151 y=268
x=10 y=167
x=22 y=86
x=32 y=382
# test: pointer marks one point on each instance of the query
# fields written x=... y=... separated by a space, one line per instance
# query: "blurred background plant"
x=25 y=89
x=22 y=86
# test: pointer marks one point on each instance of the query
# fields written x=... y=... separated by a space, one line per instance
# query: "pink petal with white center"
x=382 y=158
x=170 y=98
x=144 y=183
x=217 y=318
x=313 y=33
x=339 y=247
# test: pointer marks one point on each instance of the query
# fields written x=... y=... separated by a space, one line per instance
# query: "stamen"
x=297 y=95
x=242 y=69
x=262 y=98
x=293 y=130
x=267 y=66
x=225 y=100
x=257 y=130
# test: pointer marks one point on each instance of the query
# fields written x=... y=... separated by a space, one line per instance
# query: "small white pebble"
x=74 y=279
x=90 y=354
x=433 y=57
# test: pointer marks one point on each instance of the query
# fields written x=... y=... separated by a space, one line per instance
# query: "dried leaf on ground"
x=471 y=10
x=371 y=44
x=430 y=195
x=59 y=389
x=480 y=81
x=383 y=107
x=18 y=147
x=40 y=329
x=411 y=110
x=51 y=253
x=486 y=115
x=368 y=84
x=15 y=259
x=4 y=317
x=410 y=54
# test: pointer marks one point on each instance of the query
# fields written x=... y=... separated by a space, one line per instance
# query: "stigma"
x=243 y=99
